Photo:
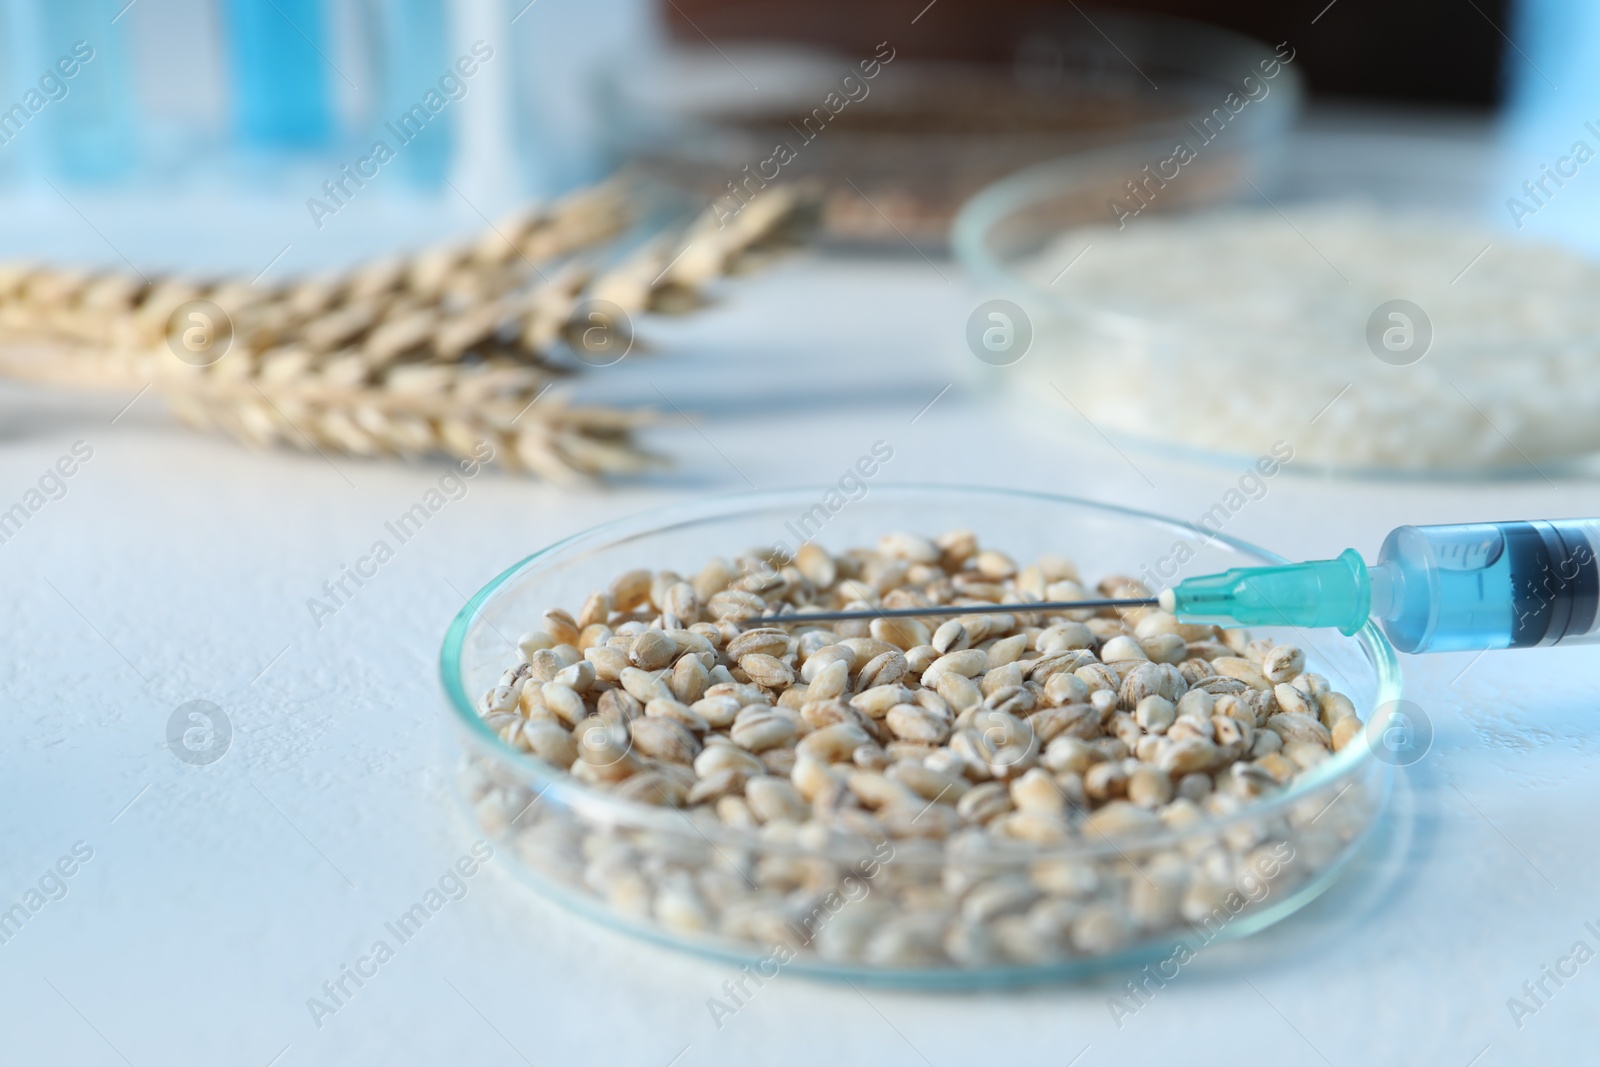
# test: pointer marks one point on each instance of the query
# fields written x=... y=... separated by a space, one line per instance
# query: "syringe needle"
x=1030 y=607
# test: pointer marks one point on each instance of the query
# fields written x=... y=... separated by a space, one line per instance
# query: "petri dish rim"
x=596 y=804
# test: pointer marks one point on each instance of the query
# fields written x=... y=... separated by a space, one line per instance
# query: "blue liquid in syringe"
x=1488 y=585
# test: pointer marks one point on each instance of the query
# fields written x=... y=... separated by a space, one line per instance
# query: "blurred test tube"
x=276 y=50
x=411 y=38
x=1551 y=126
x=558 y=52
x=9 y=152
x=84 y=58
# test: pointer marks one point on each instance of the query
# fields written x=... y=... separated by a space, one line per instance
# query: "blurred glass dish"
x=902 y=911
x=898 y=142
x=1401 y=338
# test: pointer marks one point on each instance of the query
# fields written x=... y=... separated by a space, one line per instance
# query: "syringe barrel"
x=1489 y=585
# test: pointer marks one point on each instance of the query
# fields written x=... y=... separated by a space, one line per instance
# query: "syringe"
x=1451 y=588
x=1434 y=588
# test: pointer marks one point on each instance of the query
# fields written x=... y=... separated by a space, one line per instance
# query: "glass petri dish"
x=894 y=143
x=896 y=906
x=1399 y=333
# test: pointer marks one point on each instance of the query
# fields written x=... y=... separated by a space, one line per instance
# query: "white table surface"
x=220 y=898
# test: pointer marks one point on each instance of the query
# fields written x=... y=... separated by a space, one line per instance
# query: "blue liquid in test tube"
x=412 y=59
x=92 y=135
x=280 y=75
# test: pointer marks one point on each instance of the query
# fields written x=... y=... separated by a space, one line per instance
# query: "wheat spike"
x=433 y=353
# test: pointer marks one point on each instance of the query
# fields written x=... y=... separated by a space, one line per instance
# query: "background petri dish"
x=895 y=156
x=1209 y=316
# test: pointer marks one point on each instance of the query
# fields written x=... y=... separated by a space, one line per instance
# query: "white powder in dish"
x=1231 y=330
